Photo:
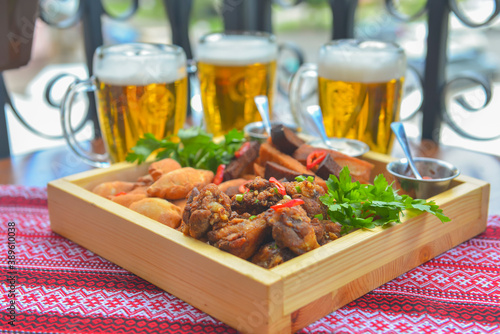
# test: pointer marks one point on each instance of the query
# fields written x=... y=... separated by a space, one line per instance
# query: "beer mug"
x=141 y=88
x=233 y=68
x=360 y=86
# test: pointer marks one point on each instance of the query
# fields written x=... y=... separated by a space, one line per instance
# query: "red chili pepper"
x=315 y=159
x=219 y=175
x=289 y=204
x=243 y=148
x=121 y=193
x=281 y=188
x=243 y=188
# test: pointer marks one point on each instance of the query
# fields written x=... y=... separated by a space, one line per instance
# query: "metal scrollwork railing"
x=434 y=82
x=241 y=15
x=89 y=14
x=257 y=15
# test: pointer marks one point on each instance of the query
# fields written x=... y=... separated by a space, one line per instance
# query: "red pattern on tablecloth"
x=64 y=288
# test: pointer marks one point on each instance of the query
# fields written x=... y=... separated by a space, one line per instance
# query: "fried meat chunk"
x=261 y=195
x=310 y=193
x=326 y=230
x=306 y=188
x=292 y=228
x=204 y=209
x=241 y=236
x=270 y=255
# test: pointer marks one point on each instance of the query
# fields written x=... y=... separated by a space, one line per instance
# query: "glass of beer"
x=233 y=68
x=141 y=88
x=360 y=86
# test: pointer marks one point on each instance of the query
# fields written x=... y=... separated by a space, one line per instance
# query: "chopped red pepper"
x=289 y=204
x=219 y=175
x=281 y=188
x=243 y=188
x=315 y=159
x=243 y=148
x=121 y=193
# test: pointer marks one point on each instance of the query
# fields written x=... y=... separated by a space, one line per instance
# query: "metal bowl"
x=256 y=130
x=351 y=147
x=437 y=174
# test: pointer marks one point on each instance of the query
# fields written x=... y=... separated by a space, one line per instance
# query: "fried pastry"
x=127 y=199
x=145 y=180
x=108 y=189
x=161 y=167
x=178 y=183
x=159 y=209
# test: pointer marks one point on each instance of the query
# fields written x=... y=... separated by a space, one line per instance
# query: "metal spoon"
x=263 y=106
x=352 y=147
x=399 y=131
x=317 y=118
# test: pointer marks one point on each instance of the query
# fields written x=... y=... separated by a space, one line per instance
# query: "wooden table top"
x=38 y=168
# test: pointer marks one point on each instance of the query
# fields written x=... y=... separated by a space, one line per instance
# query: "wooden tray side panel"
x=240 y=300
x=345 y=260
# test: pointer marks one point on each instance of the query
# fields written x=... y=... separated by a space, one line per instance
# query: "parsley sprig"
x=195 y=148
x=355 y=205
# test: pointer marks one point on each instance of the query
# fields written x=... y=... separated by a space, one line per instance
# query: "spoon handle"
x=399 y=131
x=263 y=106
x=317 y=117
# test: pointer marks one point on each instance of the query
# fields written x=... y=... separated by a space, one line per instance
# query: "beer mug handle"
x=91 y=158
x=305 y=71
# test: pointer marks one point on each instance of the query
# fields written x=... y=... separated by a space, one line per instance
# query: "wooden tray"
x=245 y=296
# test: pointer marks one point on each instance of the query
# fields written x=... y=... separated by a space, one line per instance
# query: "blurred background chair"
x=450 y=44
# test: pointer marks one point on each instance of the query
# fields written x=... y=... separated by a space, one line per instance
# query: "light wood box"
x=245 y=296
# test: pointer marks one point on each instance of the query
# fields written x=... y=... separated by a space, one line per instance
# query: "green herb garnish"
x=319 y=216
x=300 y=178
x=355 y=205
x=196 y=148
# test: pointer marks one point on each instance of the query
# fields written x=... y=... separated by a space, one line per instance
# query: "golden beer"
x=360 y=87
x=233 y=69
x=370 y=122
x=126 y=113
x=141 y=88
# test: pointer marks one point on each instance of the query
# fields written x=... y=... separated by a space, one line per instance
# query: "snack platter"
x=239 y=293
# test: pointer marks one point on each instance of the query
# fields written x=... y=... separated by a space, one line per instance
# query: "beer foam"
x=139 y=68
x=237 y=50
x=369 y=64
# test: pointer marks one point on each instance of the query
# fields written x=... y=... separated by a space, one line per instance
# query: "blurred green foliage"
x=317 y=15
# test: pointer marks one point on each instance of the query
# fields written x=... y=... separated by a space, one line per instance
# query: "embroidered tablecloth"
x=52 y=285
